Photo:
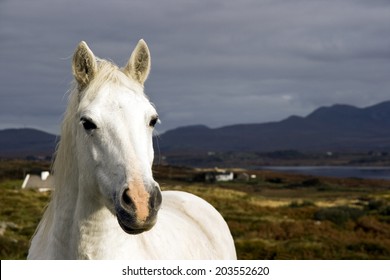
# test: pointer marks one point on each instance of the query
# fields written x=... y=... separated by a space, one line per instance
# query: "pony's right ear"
x=84 y=65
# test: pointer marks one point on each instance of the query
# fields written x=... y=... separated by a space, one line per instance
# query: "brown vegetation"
x=275 y=216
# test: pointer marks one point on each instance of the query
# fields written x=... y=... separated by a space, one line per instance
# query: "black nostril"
x=125 y=198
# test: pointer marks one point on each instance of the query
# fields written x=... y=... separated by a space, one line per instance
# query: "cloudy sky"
x=215 y=62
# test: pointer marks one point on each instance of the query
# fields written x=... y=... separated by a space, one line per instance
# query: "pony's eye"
x=87 y=124
x=153 y=121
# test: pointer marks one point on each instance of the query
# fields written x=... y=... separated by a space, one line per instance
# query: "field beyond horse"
x=276 y=216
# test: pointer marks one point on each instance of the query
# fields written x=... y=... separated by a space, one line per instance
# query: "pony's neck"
x=76 y=216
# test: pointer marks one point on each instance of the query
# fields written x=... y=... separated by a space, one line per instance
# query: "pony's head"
x=114 y=123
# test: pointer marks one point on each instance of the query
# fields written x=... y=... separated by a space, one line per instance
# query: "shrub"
x=311 y=182
x=385 y=211
x=275 y=180
x=376 y=205
x=380 y=206
x=338 y=215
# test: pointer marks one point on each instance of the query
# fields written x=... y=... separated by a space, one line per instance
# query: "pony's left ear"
x=138 y=66
x=84 y=65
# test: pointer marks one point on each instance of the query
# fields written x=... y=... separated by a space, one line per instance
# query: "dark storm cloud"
x=213 y=62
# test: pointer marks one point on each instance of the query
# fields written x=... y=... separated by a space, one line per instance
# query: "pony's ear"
x=138 y=66
x=84 y=65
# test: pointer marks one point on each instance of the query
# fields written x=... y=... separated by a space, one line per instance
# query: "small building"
x=218 y=175
x=42 y=183
x=224 y=176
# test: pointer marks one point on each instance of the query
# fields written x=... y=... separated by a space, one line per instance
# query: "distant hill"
x=26 y=142
x=336 y=128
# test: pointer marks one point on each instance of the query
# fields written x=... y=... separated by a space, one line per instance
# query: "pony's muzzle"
x=137 y=212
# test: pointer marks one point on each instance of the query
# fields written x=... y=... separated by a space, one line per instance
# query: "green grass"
x=20 y=212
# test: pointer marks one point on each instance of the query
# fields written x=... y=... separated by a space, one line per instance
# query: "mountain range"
x=337 y=128
x=26 y=142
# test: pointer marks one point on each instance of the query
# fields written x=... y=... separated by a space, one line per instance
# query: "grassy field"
x=275 y=216
x=20 y=213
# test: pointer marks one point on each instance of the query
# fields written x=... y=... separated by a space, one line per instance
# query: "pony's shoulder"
x=192 y=206
x=204 y=216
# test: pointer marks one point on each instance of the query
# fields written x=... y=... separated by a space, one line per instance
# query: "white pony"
x=106 y=204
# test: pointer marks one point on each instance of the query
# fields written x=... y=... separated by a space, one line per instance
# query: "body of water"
x=373 y=172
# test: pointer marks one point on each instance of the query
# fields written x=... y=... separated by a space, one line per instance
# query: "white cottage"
x=44 y=182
